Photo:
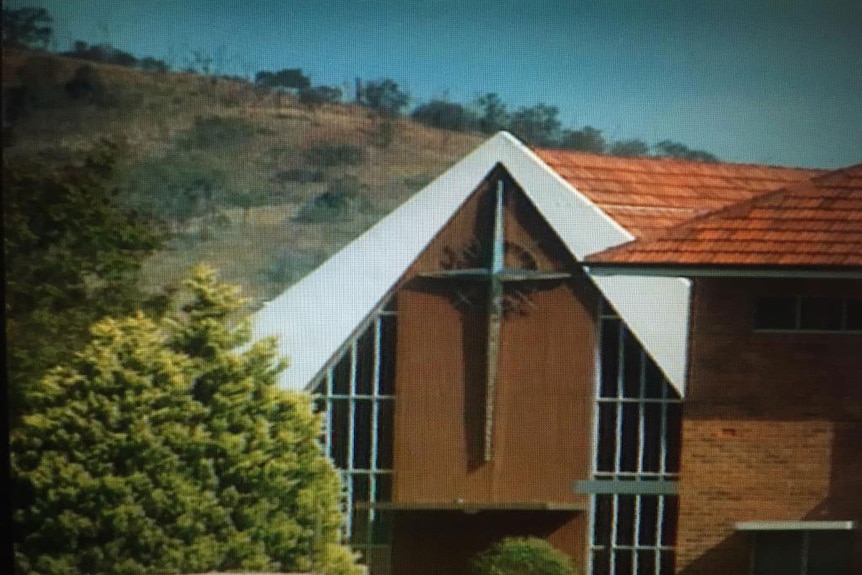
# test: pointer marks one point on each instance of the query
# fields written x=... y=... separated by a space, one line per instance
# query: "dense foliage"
x=286 y=79
x=71 y=257
x=384 y=96
x=523 y=556
x=27 y=27
x=160 y=448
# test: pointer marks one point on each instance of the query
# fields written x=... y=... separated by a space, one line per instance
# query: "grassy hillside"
x=248 y=180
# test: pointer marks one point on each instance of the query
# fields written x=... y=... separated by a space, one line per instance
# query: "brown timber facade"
x=407 y=406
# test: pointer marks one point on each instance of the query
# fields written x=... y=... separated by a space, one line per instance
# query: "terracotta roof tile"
x=816 y=222
x=648 y=195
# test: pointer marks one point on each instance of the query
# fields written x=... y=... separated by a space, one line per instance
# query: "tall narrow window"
x=637 y=443
x=356 y=397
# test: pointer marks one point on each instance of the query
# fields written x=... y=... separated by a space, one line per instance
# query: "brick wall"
x=773 y=424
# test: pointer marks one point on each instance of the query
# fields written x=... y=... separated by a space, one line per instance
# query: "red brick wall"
x=773 y=424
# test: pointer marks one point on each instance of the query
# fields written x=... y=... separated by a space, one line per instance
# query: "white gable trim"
x=317 y=315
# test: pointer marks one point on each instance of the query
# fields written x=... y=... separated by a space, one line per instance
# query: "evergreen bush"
x=523 y=556
x=166 y=446
x=343 y=199
x=329 y=155
x=216 y=132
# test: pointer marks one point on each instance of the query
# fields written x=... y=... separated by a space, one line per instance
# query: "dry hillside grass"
x=250 y=232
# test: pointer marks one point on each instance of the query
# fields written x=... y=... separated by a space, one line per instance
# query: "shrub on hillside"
x=299 y=175
x=315 y=96
x=291 y=266
x=330 y=155
x=523 y=556
x=445 y=115
x=39 y=79
x=176 y=187
x=87 y=85
x=343 y=199
x=216 y=132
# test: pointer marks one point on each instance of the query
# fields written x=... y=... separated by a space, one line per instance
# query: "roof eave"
x=723 y=270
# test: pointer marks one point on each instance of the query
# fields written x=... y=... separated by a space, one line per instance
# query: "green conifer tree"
x=161 y=448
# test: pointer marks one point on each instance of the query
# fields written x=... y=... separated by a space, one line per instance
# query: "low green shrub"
x=299 y=175
x=216 y=132
x=343 y=199
x=291 y=266
x=176 y=187
x=523 y=556
x=329 y=155
x=87 y=85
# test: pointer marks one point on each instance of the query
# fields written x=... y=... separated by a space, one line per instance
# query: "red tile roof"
x=814 y=223
x=648 y=195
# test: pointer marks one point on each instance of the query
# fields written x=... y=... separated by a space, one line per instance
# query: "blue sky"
x=778 y=82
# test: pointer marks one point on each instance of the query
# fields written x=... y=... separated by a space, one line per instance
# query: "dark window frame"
x=761 y=324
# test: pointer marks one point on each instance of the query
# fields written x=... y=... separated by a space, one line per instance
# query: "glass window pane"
x=384 y=487
x=610 y=357
x=630 y=430
x=319 y=404
x=652 y=437
x=339 y=435
x=362 y=434
x=775 y=312
x=625 y=519
x=601 y=562
x=385 y=424
x=667 y=559
x=778 y=553
x=821 y=313
x=365 y=362
x=631 y=366
x=669 y=520
x=607 y=436
x=854 y=314
x=648 y=521
x=607 y=309
x=387 y=353
x=674 y=425
x=602 y=521
x=623 y=562
x=381 y=528
x=646 y=562
x=341 y=375
x=361 y=487
x=654 y=380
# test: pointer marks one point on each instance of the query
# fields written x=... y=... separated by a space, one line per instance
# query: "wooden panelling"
x=545 y=384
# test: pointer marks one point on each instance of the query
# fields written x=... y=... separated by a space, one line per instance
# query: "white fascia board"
x=656 y=309
x=801 y=525
x=314 y=317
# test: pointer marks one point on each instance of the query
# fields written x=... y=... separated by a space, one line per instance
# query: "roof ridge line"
x=669 y=159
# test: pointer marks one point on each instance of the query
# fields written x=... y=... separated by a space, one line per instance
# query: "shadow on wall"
x=731 y=556
x=844 y=501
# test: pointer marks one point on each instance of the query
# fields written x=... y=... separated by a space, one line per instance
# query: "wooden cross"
x=497 y=275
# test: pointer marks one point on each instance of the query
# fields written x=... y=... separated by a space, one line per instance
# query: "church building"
x=655 y=364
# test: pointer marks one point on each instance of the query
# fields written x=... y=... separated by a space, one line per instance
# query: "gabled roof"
x=592 y=203
x=314 y=318
x=815 y=223
x=648 y=195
